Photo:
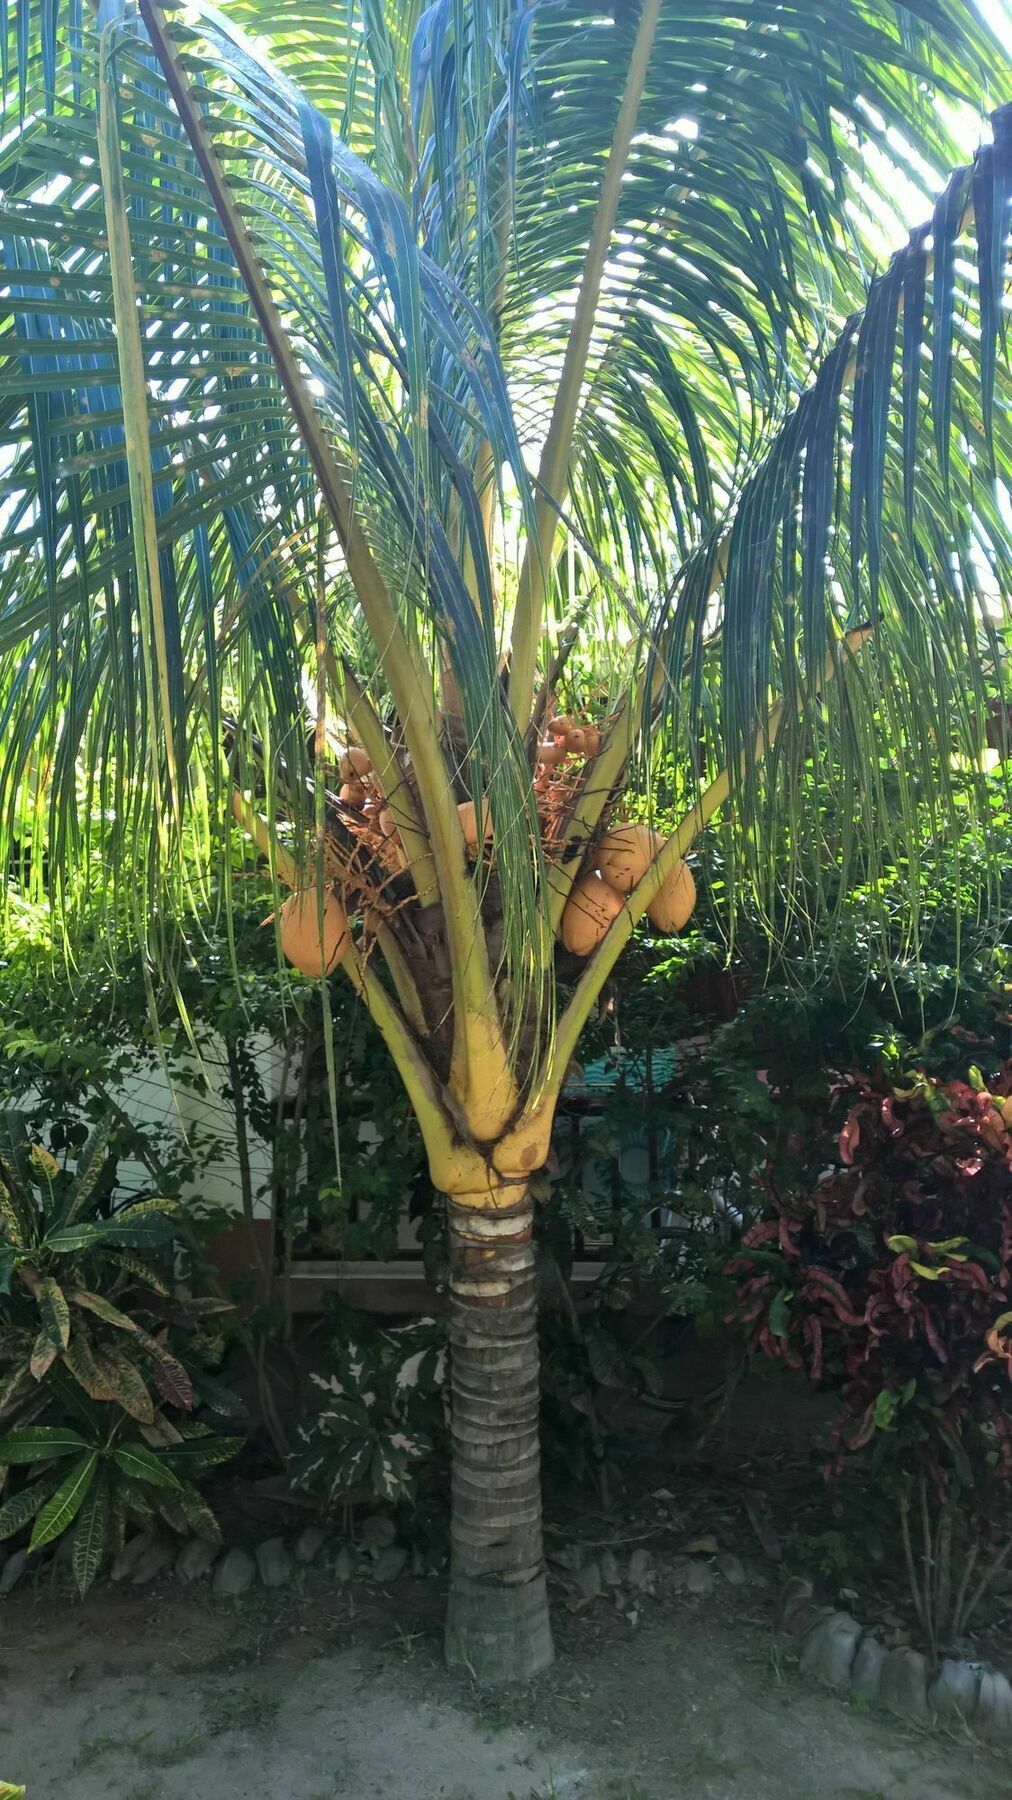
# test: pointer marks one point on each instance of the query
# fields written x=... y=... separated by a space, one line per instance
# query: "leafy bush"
x=381 y=1416
x=889 y=1278
x=86 y=1367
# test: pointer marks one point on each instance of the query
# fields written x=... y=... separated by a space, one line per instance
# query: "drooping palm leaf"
x=700 y=465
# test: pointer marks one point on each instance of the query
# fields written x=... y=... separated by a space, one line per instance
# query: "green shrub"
x=94 y=1365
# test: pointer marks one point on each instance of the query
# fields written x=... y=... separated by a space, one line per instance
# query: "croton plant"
x=891 y=1275
x=98 y=1384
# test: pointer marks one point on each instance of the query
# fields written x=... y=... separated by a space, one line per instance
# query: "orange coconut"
x=625 y=854
x=355 y=763
x=551 y=753
x=352 y=793
x=394 y=848
x=469 y=825
x=299 y=930
x=589 y=911
x=561 y=726
x=591 y=739
x=674 y=905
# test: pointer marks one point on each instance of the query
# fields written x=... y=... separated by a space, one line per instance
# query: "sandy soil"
x=330 y=1691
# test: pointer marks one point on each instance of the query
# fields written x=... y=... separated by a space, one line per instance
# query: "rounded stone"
x=309 y=1543
x=994 y=1707
x=903 y=1690
x=866 y=1670
x=611 y=1571
x=796 y=1607
x=378 y=1530
x=641 y=1569
x=731 y=1567
x=829 y=1650
x=196 y=1559
x=133 y=1551
x=234 y=1575
x=590 y=1580
x=274 y=1562
x=13 y=1570
x=343 y=1567
x=953 y=1693
x=156 y=1557
x=390 y=1563
x=700 y=1579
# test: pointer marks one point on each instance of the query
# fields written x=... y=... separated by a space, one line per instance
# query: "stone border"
x=836 y=1651
x=232 y=1570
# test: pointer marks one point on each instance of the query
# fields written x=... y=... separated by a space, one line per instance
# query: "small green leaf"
x=780 y=1318
x=195 y=1455
x=199 y=1516
x=54 y=1312
x=141 y=1464
x=24 y=1506
x=39 y=1443
x=138 y=1234
x=91 y=1534
x=63 y=1507
x=102 y=1309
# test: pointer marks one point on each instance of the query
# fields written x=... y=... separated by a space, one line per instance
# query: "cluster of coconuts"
x=361 y=793
x=618 y=863
x=566 y=736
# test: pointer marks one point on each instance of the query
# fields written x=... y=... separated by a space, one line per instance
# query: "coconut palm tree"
x=520 y=394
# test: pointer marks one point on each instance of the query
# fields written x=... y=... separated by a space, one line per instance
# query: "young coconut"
x=355 y=763
x=299 y=931
x=469 y=825
x=393 y=846
x=673 y=907
x=589 y=911
x=624 y=855
x=551 y=753
x=352 y=793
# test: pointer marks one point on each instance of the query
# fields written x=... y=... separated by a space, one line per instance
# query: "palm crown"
x=364 y=368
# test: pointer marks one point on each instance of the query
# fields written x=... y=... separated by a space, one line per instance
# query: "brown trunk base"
x=497 y=1624
x=499 y=1633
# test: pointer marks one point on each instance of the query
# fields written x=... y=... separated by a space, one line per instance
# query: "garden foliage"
x=99 y=1384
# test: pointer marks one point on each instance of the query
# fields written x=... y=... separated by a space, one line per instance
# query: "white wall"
x=198 y=1110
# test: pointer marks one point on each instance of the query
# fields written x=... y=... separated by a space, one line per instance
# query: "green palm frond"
x=778 y=436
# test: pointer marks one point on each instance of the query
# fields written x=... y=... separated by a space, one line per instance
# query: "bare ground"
x=336 y=1691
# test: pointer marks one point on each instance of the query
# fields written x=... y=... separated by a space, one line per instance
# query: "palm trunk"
x=497 y=1624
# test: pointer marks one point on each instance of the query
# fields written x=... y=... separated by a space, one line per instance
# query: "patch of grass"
x=165 y=1753
x=404 y=1644
x=256 y=1624
x=97 y=1749
x=239 y=1709
x=701 y=1765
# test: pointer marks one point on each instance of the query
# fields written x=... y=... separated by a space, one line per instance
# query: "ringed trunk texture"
x=497 y=1623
